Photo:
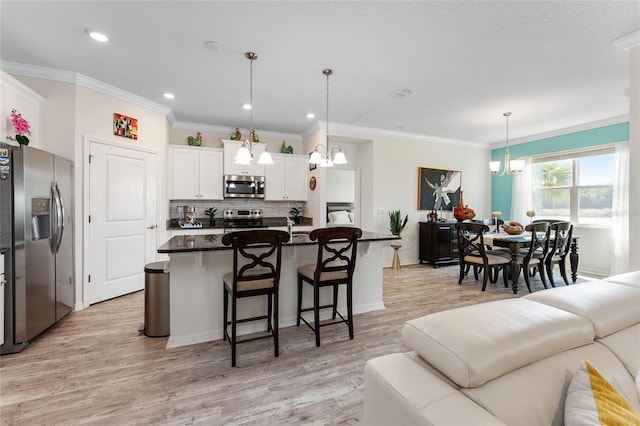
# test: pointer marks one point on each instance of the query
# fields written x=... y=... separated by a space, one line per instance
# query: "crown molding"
x=84 y=81
x=565 y=131
x=369 y=131
x=629 y=41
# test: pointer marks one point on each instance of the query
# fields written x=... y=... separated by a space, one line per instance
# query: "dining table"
x=516 y=242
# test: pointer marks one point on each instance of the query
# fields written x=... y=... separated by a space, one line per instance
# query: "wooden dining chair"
x=559 y=248
x=256 y=272
x=334 y=267
x=473 y=254
x=536 y=254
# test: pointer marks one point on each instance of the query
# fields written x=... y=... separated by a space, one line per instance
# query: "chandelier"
x=245 y=152
x=511 y=167
x=316 y=157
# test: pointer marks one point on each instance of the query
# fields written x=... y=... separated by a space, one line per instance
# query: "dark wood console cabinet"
x=438 y=243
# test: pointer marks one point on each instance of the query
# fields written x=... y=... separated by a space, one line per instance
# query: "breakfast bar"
x=198 y=262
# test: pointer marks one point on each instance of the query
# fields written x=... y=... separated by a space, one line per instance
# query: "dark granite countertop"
x=217 y=223
x=194 y=243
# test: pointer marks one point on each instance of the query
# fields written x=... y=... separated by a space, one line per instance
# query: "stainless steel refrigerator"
x=36 y=226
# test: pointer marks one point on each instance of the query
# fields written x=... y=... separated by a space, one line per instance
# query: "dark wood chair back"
x=336 y=251
x=539 y=240
x=252 y=253
x=562 y=233
x=559 y=248
x=470 y=238
x=492 y=222
x=473 y=253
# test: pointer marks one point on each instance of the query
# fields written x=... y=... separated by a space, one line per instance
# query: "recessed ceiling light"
x=214 y=46
x=310 y=115
x=246 y=106
x=168 y=95
x=97 y=36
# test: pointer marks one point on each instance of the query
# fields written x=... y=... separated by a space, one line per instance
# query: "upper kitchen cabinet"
x=231 y=168
x=195 y=173
x=16 y=96
x=286 y=178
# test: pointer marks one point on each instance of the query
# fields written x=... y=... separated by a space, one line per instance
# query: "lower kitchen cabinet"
x=438 y=243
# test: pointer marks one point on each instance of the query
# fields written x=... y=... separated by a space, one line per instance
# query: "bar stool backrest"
x=336 y=251
x=252 y=254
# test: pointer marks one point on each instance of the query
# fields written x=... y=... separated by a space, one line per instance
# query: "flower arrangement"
x=20 y=127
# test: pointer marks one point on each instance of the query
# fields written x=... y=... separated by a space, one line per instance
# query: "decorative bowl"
x=513 y=228
x=512 y=231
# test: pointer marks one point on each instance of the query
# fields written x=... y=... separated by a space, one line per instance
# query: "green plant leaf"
x=22 y=139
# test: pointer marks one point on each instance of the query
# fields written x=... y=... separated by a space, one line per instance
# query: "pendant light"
x=245 y=153
x=316 y=157
x=511 y=167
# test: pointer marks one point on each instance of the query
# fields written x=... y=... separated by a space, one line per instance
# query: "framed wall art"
x=438 y=189
x=125 y=126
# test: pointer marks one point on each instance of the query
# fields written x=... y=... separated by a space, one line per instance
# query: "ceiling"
x=552 y=63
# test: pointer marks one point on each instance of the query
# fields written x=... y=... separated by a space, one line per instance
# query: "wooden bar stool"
x=334 y=267
x=256 y=272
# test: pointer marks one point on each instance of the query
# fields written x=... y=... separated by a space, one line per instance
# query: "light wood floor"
x=95 y=368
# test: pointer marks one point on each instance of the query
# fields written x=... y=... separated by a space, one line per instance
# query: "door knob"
x=151 y=227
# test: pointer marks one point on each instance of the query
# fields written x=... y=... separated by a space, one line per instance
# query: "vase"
x=463 y=212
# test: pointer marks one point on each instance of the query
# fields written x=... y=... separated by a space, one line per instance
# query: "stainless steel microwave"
x=236 y=186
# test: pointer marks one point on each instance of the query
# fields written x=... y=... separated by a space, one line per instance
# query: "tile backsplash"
x=269 y=208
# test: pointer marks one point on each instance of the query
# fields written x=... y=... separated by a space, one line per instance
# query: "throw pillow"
x=340 y=216
x=592 y=400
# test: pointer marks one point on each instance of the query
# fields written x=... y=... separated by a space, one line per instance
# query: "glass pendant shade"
x=243 y=156
x=516 y=166
x=315 y=158
x=265 y=158
x=340 y=158
x=494 y=166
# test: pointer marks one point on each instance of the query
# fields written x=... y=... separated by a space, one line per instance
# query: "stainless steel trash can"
x=156 y=299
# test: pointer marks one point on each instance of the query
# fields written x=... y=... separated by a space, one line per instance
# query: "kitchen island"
x=198 y=262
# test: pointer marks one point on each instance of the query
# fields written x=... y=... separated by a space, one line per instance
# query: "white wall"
x=389 y=181
x=72 y=112
x=341 y=185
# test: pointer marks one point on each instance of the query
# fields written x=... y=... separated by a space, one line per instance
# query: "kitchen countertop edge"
x=213 y=242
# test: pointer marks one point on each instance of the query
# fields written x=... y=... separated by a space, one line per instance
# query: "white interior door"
x=122 y=230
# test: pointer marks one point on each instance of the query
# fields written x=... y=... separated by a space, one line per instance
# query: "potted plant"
x=396 y=223
x=211 y=212
x=296 y=214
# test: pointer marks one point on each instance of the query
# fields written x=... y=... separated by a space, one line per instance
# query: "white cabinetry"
x=195 y=173
x=26 y=102
x=286 y=178
x=231 y=168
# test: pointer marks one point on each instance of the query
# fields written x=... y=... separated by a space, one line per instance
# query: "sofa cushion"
x=400 y=389
x=609 y=306
x=477 y=343
x=630 y=278
x=592 y=400
x=626 y=345
x=535 y=394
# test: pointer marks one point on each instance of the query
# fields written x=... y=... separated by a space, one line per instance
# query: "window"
x=577 y=187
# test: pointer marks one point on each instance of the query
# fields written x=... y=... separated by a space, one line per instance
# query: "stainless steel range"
x=243 y=218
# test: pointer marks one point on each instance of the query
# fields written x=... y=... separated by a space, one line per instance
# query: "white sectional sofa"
x=510 y=361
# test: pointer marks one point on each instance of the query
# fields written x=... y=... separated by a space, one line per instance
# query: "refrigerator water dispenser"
x=40 y=219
